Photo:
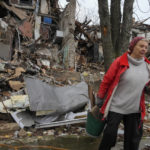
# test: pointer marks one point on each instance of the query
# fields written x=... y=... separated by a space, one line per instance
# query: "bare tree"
x=115 y=28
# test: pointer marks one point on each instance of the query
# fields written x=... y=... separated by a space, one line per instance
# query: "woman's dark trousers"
x=132 y=131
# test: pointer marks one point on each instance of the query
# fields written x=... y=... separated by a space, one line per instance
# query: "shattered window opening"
x=3 y=12
x=26 y=2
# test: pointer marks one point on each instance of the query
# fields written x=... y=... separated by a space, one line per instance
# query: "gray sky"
x=90 y=8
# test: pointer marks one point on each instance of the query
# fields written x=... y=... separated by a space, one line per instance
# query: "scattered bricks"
x=26 y=29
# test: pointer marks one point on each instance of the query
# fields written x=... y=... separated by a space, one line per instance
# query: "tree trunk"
x=115 y=36
x=126 y=25
x=106 y=33
x=115 y=24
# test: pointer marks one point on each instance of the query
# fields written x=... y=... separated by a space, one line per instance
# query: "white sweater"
x=126 y=98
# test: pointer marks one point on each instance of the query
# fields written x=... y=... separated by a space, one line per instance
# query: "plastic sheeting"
x=59 y=100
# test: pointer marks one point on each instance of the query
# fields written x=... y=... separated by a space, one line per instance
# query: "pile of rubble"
x=50 y=64
x=28 y=26
x=47 y=62
x=147 y=147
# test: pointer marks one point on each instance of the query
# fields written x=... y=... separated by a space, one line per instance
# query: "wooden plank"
x=19 y=13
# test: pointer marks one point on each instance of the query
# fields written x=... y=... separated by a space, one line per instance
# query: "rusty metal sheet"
x=61 y=123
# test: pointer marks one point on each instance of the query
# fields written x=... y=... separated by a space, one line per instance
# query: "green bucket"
x=94 y=127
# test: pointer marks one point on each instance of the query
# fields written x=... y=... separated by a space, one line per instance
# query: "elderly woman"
x=123 y=86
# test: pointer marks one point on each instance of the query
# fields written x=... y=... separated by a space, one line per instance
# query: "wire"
x=141 y=9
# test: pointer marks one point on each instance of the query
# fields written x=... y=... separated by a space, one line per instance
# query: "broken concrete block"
x=20 y=101
x=45 y=63
x=15 y=102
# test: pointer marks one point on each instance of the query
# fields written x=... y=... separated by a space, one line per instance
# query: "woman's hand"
x=99 y=102
x=147 y=89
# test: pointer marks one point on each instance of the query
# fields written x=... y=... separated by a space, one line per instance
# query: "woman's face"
x=140 y=49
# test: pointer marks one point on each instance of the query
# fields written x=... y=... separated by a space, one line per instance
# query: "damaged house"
x=43 y=63
x=49 y=62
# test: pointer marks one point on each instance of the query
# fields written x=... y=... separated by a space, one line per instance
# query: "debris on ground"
x=50 y=69
x=41 y=82
x=147 y=147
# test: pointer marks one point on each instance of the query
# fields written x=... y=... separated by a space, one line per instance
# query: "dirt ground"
x=10 y=134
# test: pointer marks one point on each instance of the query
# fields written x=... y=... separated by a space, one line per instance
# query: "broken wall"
x=67 y=25
x=6 y=37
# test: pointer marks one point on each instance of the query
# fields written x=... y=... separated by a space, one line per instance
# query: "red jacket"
x=111 y=79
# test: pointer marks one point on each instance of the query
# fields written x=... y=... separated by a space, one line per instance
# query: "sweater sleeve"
x=108 y=78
